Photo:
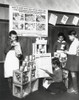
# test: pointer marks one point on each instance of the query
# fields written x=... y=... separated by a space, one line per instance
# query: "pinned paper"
x=64 y=19
x=75 y=20
x=53 y=19
x=46 y=84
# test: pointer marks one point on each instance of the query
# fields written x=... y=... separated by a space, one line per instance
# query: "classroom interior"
x=53 y=7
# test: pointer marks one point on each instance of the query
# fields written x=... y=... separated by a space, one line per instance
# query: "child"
x=73 y=60
x=60 y=45
x=13 y=55
x=55 y=81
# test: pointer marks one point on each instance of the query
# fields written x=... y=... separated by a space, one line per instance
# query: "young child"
x=13 y=55
x=73 y=61
x=55 y=81
x=60 y=45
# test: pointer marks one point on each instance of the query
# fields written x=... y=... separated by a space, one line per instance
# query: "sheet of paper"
x=53 y=19
x=45 y=84
x=64 y=19
x=75 y=20
x=43 y=62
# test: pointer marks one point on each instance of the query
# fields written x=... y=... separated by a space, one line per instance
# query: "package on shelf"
x=21 y=77
x=25 y=64
x=33 y=74
x=21 y=91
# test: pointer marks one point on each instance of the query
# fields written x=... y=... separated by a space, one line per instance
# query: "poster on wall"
x=28 y=21
x=53 y=19
x=75 y=20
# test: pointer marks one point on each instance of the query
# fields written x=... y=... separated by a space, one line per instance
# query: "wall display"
x=28 y=21
x=64 y=18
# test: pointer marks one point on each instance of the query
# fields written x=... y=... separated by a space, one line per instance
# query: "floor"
x=41 y=94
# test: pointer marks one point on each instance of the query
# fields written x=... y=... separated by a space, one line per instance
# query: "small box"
x=34 y=85
x=21 y=77
x=21 y=91
x=33 y=74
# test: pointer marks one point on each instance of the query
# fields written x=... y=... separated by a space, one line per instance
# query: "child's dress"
x=11 y=62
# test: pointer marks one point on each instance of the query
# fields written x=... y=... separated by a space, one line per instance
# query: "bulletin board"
x=28 y=21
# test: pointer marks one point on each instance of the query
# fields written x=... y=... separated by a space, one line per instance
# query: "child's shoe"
x=71 y=90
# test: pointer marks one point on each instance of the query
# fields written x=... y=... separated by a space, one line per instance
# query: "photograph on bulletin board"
x=28 y=21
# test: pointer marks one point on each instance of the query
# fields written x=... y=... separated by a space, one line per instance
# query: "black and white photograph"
x=39 y=49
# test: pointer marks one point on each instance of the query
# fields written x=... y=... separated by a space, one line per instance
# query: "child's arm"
x=18 y=50
x=50 y=74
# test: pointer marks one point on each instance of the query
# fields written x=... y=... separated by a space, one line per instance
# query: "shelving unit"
x=25 y=82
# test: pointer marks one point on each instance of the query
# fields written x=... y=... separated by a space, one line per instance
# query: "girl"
x=13 y=55
x=73 y=61
x=56 y=84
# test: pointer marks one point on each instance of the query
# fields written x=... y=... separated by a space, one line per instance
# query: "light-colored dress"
x=11 y=63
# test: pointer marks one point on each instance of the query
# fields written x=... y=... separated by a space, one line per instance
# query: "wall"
x=56 y=5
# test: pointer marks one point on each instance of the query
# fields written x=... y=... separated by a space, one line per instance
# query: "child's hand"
x=13 y=43
x=47 y=71
x=21 y=68
x=51 y=81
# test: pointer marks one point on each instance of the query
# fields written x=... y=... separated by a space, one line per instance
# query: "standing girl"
x=73 y=61
x=13 y=55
